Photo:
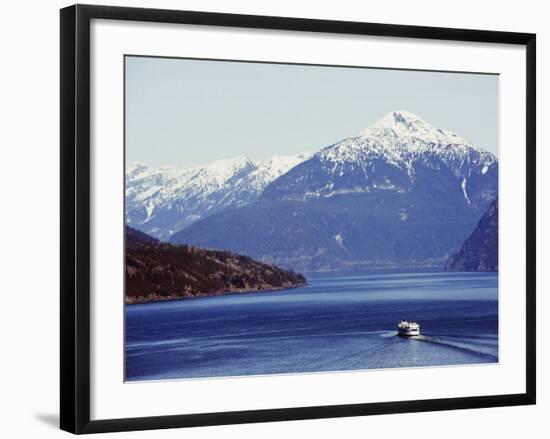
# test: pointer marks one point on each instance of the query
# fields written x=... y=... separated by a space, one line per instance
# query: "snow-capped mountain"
x=402 y=192
x=389 y=155
x=161 y=201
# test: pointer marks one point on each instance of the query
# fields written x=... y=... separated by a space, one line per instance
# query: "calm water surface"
x=334 y=323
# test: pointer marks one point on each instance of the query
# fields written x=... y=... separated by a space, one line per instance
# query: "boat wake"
x=484 y=350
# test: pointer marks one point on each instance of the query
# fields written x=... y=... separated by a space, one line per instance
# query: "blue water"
x=335 y=323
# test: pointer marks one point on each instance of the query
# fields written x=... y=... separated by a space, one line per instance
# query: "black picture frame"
x=75 y=217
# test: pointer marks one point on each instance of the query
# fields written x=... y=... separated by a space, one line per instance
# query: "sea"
x=338 y=322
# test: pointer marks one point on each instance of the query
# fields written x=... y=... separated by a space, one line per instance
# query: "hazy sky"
x=189 y=111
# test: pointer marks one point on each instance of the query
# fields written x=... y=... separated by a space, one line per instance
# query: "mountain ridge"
x=391 y=196
x=161 y=201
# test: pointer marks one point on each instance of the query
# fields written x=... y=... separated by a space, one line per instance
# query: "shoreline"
x=140 y=300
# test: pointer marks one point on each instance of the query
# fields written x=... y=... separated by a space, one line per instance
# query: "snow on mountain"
x=161 y=201
x=407 y=126
x=403 y=138
x=400 y=143
x=401 y=193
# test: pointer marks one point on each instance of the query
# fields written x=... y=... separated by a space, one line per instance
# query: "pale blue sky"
x=182 y=111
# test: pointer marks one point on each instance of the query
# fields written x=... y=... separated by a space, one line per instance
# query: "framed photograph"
x=268 y=218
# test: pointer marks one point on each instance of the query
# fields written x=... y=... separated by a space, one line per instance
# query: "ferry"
x=408 y=329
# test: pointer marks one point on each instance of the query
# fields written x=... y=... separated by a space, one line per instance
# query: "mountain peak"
x=406 y=125
x=235 y=161
x=400 y=121
x=401 y=117
x=136 y=165
x=225 y=168
x=135 y=168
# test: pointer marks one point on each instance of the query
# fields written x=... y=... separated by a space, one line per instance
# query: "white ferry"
x=408 y=329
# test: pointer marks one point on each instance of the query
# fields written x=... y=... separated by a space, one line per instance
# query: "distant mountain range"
x=162 y=201
x=401 y=193
x=160 y=271
x=480 y=251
